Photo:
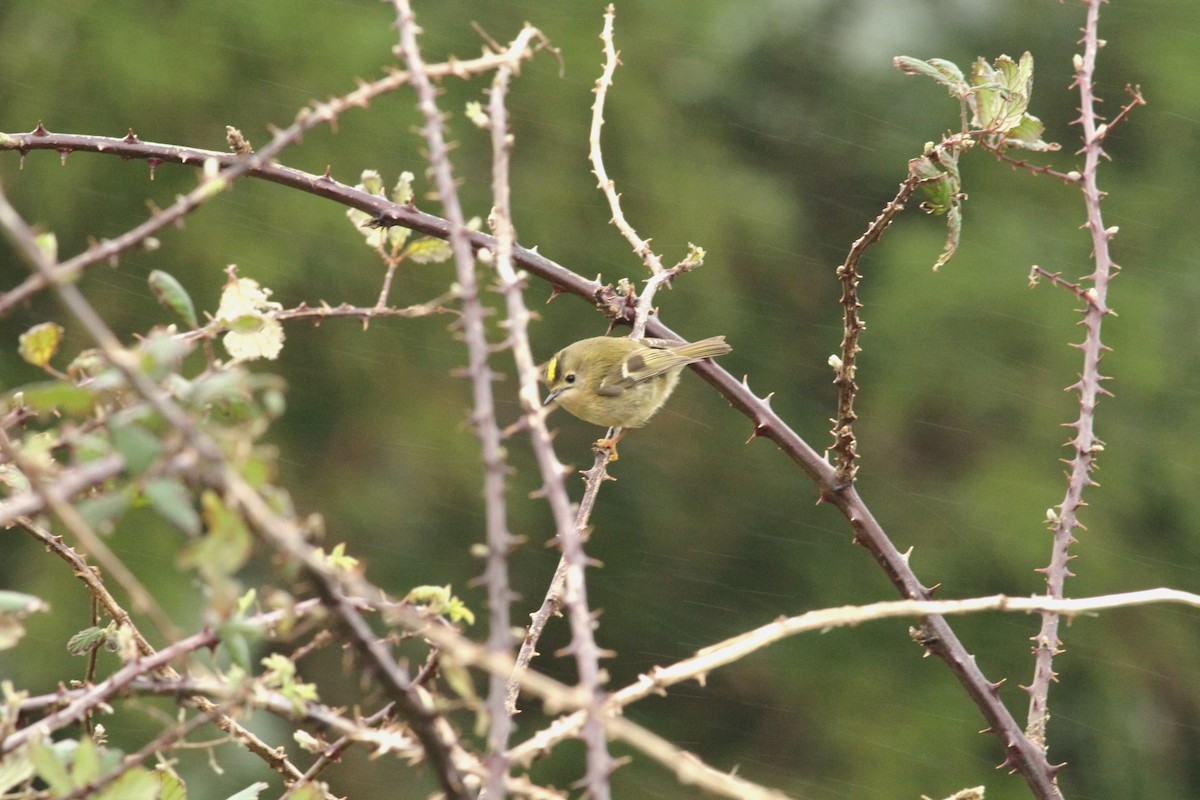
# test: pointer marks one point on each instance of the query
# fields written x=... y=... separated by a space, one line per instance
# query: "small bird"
x=619 y=382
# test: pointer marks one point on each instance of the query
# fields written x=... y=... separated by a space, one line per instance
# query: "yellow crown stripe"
x=552 y=370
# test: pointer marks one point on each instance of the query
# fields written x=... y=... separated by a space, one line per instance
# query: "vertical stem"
x=499 y=542
x=1085 y=444
x=483 y=416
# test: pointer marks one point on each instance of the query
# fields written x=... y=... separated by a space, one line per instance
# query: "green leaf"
x=222 y=394
x=88 y=363
x=103 y=510
x=48 y=244
x=238 y=647
x=938 y=171
x=15 y=769
x=224 y=547
x=459 y=612
x=371 y=182
x=935 y=184
x=170 y=786
x=11 y=632
x=280 y=674
x=137 y=783
x=138 y=446
x=86 y=767
x=61 y=397
x=171 y=294
x=14 y=607
x=337 y=558
x=953 y=234
x=20 y=604
x=87 y=640
x=251 y=792
x=161 y=354
x=402 y=192
x=944 y=72
x=1028 y=134
x=1001 y=92
x=428 y=251
x=458 y=678
x=50 y=768
x=308 y=791
x=170 y=498
x=39 y=344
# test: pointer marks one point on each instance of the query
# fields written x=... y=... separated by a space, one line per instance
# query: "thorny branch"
x=233 y=165
x=1085 y=445
x=641 y=246
x=845 y=366
x=735 y=648
x=503 y=690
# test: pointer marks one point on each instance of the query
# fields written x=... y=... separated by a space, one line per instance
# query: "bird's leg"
x=609 y=443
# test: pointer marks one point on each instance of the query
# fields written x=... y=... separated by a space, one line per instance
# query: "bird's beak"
x=550 y=398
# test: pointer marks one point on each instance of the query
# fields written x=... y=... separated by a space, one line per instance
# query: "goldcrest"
x=618 y=382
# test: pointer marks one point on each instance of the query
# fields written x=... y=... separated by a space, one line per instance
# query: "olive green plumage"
x=620 y=382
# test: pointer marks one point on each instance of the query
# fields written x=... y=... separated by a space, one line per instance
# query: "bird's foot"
x=607 y=446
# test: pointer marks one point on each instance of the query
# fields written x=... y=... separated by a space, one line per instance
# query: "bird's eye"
x=569 y=377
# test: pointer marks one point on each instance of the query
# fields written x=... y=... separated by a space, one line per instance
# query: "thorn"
x=758 y=429
x=130 y=138
x=63 y=152
x=153 y=162
x=40 y=130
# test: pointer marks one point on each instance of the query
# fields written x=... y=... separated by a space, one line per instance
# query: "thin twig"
x=583 y=641
x=688 y=768
x=736 y=648
x=845 y=444
x=1085 y=444
x=500 y=543
x=511 y=285
x=611 y=59
x=1001 y=153
x=568 y=587
x=233 y=165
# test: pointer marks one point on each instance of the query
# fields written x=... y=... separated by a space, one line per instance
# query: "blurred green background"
x=770 y=132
